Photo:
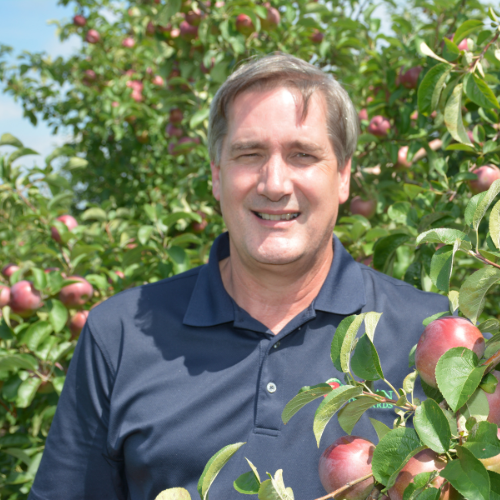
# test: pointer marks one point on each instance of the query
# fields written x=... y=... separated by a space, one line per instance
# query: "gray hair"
x=283 y=70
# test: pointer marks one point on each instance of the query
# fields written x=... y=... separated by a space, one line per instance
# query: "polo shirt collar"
x=343 y=291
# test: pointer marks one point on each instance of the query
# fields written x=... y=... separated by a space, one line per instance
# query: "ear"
x=344 y=182
x=215 y=180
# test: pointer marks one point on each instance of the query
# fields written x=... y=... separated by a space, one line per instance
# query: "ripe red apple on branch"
x=188 y=32
x=273 y=18
x=244 y=24
x=424 y=461
x=317 y=36
x=79 y=20
x=128 y=42
x=24 y=298
x=486 y=176
x=434 y=145
x=76 y=294
x=379 y=126
x=409 y=78
x=68 y=220
x=9 y=270
x=93 y=36
x=366 y=208
x=4 y=295
x=176 y=116
x=77 y=322
x=440 y=336
x=345 y=460
x=494 y=402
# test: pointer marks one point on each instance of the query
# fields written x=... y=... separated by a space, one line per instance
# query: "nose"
x=275 y=181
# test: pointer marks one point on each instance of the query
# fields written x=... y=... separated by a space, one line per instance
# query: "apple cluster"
x=349 y=458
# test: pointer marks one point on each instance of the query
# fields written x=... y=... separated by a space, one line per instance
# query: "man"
x=164 y=375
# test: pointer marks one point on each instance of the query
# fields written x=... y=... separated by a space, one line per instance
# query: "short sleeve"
x=75 y=464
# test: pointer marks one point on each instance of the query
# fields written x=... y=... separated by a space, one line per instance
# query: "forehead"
x=265 y=108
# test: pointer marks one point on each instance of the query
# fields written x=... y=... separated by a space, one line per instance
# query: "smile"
x=289 y=216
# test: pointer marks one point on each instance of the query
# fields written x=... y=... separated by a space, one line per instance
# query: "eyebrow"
x=247 y=145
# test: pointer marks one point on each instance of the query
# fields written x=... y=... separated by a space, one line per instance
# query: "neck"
x=275 y=294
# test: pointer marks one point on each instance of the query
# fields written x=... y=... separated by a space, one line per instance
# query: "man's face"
x=278 y=182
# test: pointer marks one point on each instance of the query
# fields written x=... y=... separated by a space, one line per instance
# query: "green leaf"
x=247 y=484
x=491 y=325
x=485 y=203
x=482 y=442
x=5 y=331
x=458 y=375
x=395 y=474
x=330 y=405
x=365 y=362
x=453 y=116
x=199 y=117
x=13 y=361
x=350 y=414
x=466 y=28
x=274 y=488
x=36 y=334
x=443 y=235
x=429 y=90
x=144 y=234
x=347 y=344
x=380 y=428
x=386 y=246
x=95 y=213
x=427 y=51
x=477 y=91
x=58 y=315
x=214 y=466
x=174 y=494
x=409 y=382
x=18 y=153
x=76 y=162
x=171 y=8
x=10 y=140
x=39 y=278
x=338 y=340
x=468 y=475
x=495 y=485
x=392 y=452
x=371 y=321
x=460 y=147
x=430 y=319
x=27 y=391
x=303 y=398
x=471 y=207
x=474 y=289
x=495 y=225
x=453 y=297
x=432 y=426
x=477 y=406
x=442 y=266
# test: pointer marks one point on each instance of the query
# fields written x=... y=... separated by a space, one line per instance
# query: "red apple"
x=92 y=36
x=409 y=78
x=199 y=227
x=273 y=18
x=440 y=336
x=193 y=17
x=463 y=45
x=188 y=32
x=347 y=459
x=366 y=208
x=4 y=295
x=424 y=461
x=76 y=294
x=150 y=28
x=486 y=175
x=414 y=115
x=317 y=36
x=90 y=76
x=379 y=126
x=77 y=322
x=244 y=24
x=176 y=116
x=79 y=20
x=115 y=104
x=135 y=85
x=128 y=42
x=494 y=402
x=175 y=33
x=24 y=298
x=158 y=80
x=363 y=114
x=9 y=270
x=69 y=221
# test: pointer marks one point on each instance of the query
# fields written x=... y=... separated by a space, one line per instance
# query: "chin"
x=276 y=254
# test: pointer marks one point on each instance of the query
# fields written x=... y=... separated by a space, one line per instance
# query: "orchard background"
x=127 y=199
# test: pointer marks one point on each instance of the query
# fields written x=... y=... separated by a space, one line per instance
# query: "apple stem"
x=478 y=256
x=491 y=362
x=473 y=66
x=343 y=488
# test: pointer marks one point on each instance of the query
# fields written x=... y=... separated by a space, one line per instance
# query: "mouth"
x=277 y=217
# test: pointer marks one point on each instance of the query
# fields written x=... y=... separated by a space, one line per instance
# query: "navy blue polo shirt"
x=166 y=374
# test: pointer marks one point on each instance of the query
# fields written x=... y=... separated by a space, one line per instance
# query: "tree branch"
x=348 y=485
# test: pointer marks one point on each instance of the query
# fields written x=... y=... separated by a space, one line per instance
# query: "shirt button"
x=275 y=346
x=271 y=387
